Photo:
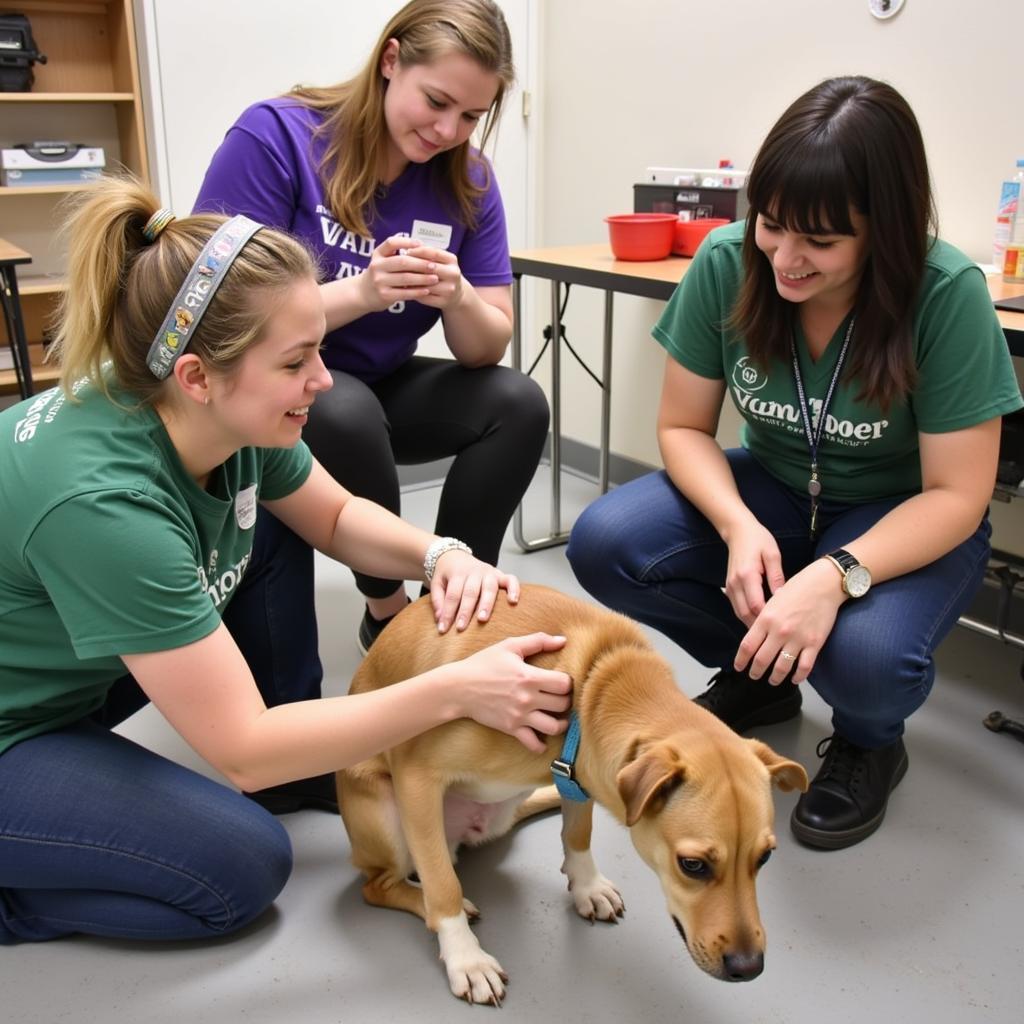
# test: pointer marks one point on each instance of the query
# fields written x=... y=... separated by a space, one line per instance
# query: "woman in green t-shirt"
x=842 y=541
x=190 y=358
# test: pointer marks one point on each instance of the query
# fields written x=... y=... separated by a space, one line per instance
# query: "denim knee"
x=595 y=549
x=872 y=688
x=262 y=870
x=207 y=873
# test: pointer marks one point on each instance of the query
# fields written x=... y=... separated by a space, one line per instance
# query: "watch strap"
x=843 y=560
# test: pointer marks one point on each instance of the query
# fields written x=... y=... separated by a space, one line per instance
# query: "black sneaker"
x=846 y=800
x=369 y=629
x=743 y=703
x=316 y=794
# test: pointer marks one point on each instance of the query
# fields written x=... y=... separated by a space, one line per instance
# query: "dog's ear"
x=647 y=781
x=786 y=774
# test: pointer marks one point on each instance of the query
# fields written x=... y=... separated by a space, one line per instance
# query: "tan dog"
x=695 y=796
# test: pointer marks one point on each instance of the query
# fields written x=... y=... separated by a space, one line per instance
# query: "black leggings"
x=493 y=420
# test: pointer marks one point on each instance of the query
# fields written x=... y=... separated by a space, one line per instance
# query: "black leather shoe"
x=315 y=794
x=846 y=800
x=743 y=703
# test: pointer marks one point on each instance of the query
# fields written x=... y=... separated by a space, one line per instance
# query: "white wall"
x=617 y=87
x=251 y=50
x=683 y=83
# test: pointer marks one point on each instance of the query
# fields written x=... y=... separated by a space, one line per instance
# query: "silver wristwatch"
x=856 y=577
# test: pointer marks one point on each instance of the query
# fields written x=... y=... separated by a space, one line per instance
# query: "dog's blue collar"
x=564 y=768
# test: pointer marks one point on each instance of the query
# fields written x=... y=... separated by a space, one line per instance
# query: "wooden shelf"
x=42 y=378
x=66 y=97
x=35 y=285
x=44 y=374
x=88 y=91
x=41 y=190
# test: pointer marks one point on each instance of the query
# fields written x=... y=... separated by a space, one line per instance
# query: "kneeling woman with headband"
x=190 y=359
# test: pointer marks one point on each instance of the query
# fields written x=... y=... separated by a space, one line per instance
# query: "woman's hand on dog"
x=502 y=691
x=463 y=586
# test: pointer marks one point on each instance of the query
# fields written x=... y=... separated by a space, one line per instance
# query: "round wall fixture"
x=883 y=9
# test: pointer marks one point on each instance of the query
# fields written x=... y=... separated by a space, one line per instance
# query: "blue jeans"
x=645 y=551
x=101 y=836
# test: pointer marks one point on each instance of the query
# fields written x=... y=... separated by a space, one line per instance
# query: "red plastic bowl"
x=690 y=233
x=641 y=236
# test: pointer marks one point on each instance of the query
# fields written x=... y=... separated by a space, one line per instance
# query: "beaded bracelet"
x=439 y=547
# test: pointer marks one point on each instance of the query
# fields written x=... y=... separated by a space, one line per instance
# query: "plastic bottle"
x=1013 y=257
x=1009 y=215
x=1013 y=263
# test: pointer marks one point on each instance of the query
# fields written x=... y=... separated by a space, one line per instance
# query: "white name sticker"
x=437 y=236
x=245 y=507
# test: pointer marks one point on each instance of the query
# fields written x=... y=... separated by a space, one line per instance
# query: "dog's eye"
x=693 y=867
x=764 y=858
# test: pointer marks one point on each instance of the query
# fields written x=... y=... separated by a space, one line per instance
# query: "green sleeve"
x=965 y=375
x=121 y=572
x=285 y=470
x=691 y=327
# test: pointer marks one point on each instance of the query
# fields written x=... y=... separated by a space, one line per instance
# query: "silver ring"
x=787 y=655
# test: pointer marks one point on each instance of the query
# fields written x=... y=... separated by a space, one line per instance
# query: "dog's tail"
x=540 y=801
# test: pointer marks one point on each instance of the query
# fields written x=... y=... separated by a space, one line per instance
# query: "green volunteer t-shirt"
x=109 y=547
x=964 y=375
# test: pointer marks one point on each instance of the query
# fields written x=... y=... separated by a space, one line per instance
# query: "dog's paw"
x=473 y=974
x=478 y=979
x=597 y=899
x=471 y=909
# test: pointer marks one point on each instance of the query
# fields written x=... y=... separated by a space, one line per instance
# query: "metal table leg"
x=557 y=535
x=16 y=330
x=606 y=394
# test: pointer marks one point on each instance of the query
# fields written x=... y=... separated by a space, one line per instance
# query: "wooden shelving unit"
x=88 y=92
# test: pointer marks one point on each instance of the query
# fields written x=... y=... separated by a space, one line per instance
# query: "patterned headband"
x=194 y=296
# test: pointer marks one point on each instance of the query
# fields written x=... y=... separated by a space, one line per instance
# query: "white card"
x=437 y=236
x=245 y=507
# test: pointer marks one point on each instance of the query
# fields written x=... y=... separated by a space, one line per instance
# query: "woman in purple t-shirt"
x=378 y=177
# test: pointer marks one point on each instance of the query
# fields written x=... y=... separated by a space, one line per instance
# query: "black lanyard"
x=813 y=435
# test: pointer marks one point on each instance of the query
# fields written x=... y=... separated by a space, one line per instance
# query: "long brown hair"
x=121 y=286
x=354 y=110
x=849 y=141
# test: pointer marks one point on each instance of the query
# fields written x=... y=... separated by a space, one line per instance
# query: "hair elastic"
x=194 y=296
x=157 y=223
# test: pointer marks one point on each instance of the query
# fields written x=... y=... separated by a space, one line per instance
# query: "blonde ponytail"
x=121 y=286
x=103 y=235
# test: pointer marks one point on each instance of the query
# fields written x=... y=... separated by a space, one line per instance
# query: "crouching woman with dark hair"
x=841 y=542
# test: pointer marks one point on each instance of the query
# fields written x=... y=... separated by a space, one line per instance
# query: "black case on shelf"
x=18 y=52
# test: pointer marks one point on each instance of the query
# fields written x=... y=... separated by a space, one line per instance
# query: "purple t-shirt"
x=267 y=168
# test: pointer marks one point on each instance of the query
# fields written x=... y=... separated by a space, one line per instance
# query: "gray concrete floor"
x=922 y=922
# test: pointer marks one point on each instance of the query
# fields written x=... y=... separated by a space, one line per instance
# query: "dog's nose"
x=743 y=966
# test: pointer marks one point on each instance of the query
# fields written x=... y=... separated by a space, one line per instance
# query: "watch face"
x=858 y=581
